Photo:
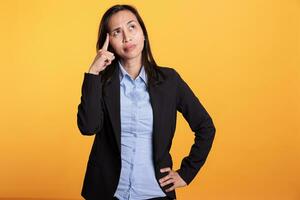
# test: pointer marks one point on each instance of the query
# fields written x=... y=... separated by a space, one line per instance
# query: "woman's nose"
x=126 y=36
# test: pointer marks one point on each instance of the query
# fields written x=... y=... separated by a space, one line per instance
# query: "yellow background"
x=241 y=58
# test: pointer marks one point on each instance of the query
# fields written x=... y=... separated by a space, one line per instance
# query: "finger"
x=108 y=63
x=170 y=188
x=165 y=178
x=101 y=52
x=168 y=182
x=107 y=60
x=165 y=169
x=109 y=55
x=106 y=42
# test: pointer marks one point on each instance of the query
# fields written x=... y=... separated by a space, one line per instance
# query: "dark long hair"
x=147 y=58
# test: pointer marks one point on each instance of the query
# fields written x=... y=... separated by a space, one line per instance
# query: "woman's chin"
x=130 y=55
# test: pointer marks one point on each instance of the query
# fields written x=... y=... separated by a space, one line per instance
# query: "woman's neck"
x=132 y=66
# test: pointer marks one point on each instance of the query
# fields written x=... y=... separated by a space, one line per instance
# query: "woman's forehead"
x=120 y=18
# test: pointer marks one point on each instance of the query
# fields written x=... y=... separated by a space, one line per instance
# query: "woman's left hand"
x=172 y=177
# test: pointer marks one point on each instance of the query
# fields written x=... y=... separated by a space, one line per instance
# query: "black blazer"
x=99 y=114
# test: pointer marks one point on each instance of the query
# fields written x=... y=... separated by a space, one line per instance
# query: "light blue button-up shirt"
x=137 y=179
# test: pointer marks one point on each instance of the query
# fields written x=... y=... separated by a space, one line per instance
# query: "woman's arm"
x=90 y=109
x=201 y=124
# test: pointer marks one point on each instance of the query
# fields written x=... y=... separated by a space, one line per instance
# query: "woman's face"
x=126 y=35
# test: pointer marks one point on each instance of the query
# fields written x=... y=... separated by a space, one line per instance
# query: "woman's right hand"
x=102 y=59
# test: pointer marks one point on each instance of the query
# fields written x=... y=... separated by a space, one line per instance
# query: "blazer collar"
x=157 y=78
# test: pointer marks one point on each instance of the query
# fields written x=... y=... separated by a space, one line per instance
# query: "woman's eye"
x=115 y=33
x=132 y=26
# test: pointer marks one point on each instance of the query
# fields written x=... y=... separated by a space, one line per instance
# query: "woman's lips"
x=129 y=47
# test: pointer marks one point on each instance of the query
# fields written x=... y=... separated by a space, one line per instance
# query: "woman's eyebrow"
x=131 y=21
x=127 y=23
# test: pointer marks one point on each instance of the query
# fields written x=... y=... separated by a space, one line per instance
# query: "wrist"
x=93 y=72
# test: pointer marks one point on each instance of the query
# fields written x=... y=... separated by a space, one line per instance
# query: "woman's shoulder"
x=167 y=70
x=169 y=73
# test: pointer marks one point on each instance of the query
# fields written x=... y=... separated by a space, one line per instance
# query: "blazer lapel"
x=156 y=103
x=112 y=100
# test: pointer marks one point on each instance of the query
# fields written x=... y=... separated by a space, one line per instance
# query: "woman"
x=130 y=103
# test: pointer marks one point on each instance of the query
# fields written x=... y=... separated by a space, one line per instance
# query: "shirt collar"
x=123 y=72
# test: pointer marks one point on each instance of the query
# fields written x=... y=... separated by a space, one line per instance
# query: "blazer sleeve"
x=90 y=109
x=200 y=123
